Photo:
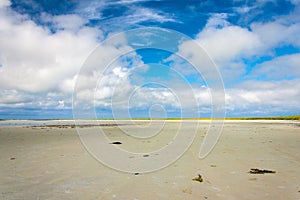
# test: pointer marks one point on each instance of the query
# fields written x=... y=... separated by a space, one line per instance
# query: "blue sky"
x=254 y=44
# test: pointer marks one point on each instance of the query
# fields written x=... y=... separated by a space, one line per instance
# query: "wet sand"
x=50 y=162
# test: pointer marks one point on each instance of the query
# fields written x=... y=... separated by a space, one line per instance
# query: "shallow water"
x=34 y=122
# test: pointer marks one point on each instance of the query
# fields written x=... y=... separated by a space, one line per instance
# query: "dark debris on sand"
x=261 y=171
x=199 y=178
x=74 y=126
x=116 y=143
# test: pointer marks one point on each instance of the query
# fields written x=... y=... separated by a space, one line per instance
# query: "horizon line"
x=292 y=117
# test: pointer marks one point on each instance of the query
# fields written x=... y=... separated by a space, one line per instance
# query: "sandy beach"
x=49 y=162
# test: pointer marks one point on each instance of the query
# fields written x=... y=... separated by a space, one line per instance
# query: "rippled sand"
x=50 y=162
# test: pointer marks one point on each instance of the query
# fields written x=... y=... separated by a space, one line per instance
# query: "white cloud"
x=227 y=45
x=35 y=60
x=134 y=14
x=144 y=97
x=283 y=67
x=277 y=33
x=15 y=99
x=69 y=22
x=218 y=20
x=244 y=9
x=38 y=67
x=135 y=17
x=67 y=85
x=12 y=97
x=146 y=14
x=228 y=42
x=282 y=30
x=4 y=3
x=90 y=9
x=120 y=72
x=105 y=76
x=264 y=97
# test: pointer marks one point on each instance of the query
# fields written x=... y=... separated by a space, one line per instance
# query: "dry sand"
x=51 y=163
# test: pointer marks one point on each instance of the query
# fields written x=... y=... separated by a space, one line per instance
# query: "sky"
x=44 y=46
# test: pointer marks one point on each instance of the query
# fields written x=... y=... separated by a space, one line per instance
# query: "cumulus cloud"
x=69 y=22
x=229 y=45
x=38 y=64
x=34 y=59
x=277 y=33
x=104 y=79
x=225 y=42
x=12 y=97
x=264 y=97
x=146 y=96
x=4 y=3
x=282 y=68
x=15 y=99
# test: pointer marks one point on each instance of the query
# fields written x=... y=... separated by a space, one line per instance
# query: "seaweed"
x=261 y=171
x=116 y=143
x=199 y=178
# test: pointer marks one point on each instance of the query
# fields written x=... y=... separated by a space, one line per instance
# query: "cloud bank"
x=40 y=60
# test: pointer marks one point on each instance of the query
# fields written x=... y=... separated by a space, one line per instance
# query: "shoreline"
x=94 y=122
